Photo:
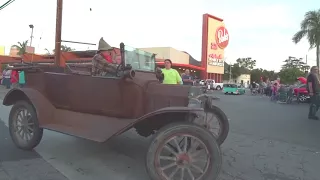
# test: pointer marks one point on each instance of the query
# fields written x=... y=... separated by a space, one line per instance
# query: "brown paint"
x=98 y=108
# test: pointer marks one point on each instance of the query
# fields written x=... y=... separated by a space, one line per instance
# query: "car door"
x=97 y=95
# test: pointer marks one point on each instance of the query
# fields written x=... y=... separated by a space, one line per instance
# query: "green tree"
x=290 y=75
x=64 y=48
x=226 y=75
x=22 y=47
x=256 y=74
x=293 y=62
x=310 y=28
x=48 y=52
x=247 y=63
x=236 y=70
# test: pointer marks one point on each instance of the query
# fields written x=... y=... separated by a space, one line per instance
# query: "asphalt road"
x=267 y=141
x=16 y=164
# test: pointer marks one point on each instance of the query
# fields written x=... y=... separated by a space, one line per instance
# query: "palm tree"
x=310 y=28
x=48 y=52
x=22 y=47
x=65 y=48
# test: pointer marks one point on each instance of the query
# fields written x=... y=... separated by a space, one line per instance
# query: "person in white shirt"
x=6 y=75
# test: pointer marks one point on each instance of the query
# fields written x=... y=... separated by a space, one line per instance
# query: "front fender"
x=42 y=105
x=168 y=110
x=147 y=124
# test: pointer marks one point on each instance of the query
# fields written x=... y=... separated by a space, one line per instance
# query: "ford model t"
x=185 y=143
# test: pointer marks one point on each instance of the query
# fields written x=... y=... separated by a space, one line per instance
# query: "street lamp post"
x=58 y=32
x=31 y=37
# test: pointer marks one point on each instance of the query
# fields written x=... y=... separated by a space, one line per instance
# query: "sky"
x=261 y=30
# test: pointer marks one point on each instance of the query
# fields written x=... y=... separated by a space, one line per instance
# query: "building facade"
x=215 y=38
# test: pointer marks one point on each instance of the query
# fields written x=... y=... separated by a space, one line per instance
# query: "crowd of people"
x=12 y=78
x=268 y=88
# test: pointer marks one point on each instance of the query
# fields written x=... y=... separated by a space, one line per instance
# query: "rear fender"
x=147 y=124
x=41 y=104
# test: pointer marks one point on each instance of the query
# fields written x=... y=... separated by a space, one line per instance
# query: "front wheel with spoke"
x=174 y=154
x=24 y=126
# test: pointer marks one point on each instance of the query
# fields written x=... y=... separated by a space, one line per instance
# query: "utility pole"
x=230 y=73
x=307 y=59
x=31 y=37
x=57 y=50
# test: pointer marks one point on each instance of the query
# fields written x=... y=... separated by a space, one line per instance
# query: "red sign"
x=214 y=46
x=215 y=56
x=222 y=37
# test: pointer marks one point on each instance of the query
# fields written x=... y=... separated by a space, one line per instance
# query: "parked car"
x=233 y=89
x=213 y=84
x=301 y=93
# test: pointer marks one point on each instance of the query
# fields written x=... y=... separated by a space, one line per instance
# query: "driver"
x=104 y=62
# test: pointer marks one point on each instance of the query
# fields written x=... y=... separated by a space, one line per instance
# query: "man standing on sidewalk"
x=313 y=86
x=187 y=78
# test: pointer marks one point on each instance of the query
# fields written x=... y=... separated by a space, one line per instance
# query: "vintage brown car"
x=98 y=108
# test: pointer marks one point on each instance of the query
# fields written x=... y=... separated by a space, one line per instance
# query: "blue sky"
x=258 y=29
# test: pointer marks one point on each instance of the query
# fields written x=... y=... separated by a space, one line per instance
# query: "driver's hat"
x=103 y=45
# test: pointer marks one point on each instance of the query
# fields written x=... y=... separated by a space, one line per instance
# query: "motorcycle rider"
x=253 y=86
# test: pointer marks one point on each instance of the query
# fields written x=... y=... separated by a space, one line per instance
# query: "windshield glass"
x=139 y=60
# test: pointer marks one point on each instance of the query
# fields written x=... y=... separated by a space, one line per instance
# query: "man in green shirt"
x=171 y=76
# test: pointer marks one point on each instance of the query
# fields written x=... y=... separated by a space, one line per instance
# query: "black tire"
x=218 y=88
x=197 y=131
x=222 y=118
x=37 y=131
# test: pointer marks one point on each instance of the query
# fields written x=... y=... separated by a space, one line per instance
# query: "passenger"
x=171 y=76
x=104 y=62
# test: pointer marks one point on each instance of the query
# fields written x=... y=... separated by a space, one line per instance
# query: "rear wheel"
x=24 y=126
x=218 y=88
x=183 y=151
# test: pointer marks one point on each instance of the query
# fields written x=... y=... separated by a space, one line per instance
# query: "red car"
x=301 y=91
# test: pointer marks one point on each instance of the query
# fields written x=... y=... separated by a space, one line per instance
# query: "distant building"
x=244 y=79
x=30 y=49
x=2 y=50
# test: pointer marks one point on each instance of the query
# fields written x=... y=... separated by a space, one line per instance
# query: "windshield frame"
x=140 y=60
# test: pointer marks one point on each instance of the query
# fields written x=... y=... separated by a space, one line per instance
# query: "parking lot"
x=267 y=141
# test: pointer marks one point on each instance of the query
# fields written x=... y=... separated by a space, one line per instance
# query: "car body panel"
x=233 y=89
x=98 y=108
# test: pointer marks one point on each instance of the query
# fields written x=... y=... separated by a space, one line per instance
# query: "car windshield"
x=139 y=60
